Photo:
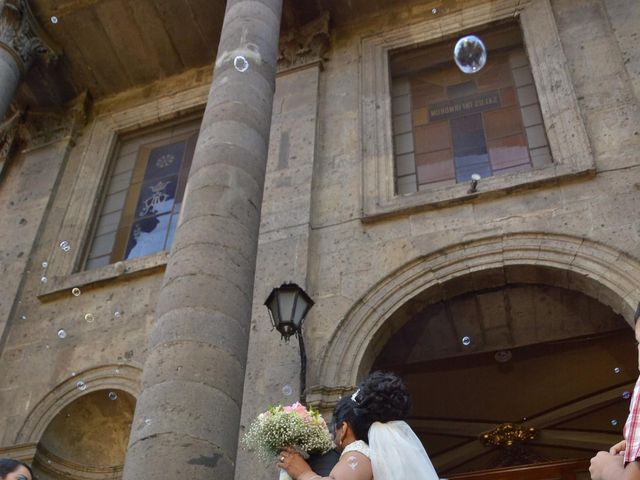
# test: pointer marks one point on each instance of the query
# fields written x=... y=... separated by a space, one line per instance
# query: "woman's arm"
x=352 y=466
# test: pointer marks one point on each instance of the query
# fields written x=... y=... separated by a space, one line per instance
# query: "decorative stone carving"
x=21 y=35
x=307 y=44
x=8 y=133
x=43 y=127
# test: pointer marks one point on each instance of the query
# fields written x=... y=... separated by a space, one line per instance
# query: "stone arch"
x=118 y=377
x=608 y=275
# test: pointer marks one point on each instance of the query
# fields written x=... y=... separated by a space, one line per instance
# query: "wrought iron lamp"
x=288 y=306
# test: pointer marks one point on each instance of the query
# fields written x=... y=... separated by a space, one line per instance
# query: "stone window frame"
x=96 y=150
x=566 y=132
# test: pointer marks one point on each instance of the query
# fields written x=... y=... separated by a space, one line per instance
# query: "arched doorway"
x=88 y=438
x=512 y=375
x=610 y=278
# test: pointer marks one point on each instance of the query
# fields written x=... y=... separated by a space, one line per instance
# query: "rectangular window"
x=448 y=125
x=144 y=194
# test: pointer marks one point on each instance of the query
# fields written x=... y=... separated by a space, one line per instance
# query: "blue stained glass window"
x=157 y=208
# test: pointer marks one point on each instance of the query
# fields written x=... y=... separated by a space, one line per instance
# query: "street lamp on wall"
x=288 y=306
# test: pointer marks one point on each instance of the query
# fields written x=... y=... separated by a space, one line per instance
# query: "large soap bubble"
x=470 y=54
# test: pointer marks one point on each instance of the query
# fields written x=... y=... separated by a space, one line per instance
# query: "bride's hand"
x=293 y=463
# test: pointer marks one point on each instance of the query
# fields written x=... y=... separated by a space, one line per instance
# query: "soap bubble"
x=616 y=370
x=241 y=63
x=466 y=341
x=470 y=54
x=287 y=390
x=89 y=317
x=62 y=333
x=113 y=396
x=65 y=246
x=626 y=395
x=147 y=421
x=503 y=356
x=614 y=422
x=80 y=385
x=23 y=317
x=44 y=280
x=45 y=264
x=117 y=314
x=76 y=291
x=54 y=19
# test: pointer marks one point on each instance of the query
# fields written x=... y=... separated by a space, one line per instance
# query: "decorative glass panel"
x=453 y=124
x=142 y=204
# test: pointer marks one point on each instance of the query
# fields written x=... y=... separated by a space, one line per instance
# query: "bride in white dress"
x=375 y=440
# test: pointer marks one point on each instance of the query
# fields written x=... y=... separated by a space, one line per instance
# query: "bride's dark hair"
x=381 y=397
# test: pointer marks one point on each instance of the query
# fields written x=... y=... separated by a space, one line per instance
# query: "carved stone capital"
x=8 y=135
x=21 y=35
x=40 y=128
x=306 y=44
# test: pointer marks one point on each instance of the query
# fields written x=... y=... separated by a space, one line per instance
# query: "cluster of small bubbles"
x=287 y=390
x=65 y=246
x=89 y=317
x=614 y=422
x=62 y=333
x=45 y=264
x=80 y=385
x=241 y=64
x=626 y=395
x=616 y=370
x=76 y=291
x=44 y=280
x=113 y=396
x=466 y=341
x=470 y=54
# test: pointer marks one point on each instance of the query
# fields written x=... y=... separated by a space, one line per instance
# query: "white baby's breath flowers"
x=290 y=426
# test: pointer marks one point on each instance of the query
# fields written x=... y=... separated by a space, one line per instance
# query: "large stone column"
x=188 y=413
x=20 y=41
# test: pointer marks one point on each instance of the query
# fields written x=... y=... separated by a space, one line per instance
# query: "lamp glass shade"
x=288 y=306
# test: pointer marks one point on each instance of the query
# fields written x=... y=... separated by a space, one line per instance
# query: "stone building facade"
x=135 y=345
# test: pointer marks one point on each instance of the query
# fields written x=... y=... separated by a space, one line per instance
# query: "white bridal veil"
x=398 y=454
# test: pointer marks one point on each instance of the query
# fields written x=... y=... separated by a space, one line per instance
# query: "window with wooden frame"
x=140 y=210
x=448 y=125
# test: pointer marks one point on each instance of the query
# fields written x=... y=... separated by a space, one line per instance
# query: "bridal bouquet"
x=290 y=426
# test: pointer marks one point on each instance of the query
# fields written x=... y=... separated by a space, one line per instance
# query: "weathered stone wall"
x=312 y=231
x=347 y=258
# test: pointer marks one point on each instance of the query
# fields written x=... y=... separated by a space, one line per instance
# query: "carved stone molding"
x=8 y=135
x=21 y=35
x=40 y=128
x=57 y=467
x=24 y=452
x=305 y=45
